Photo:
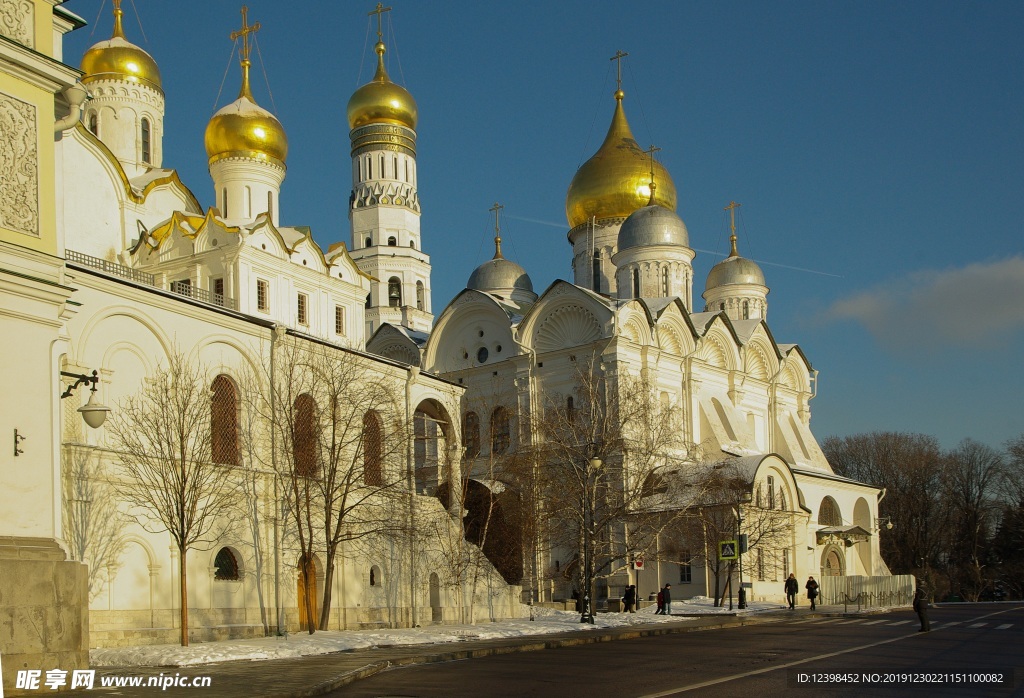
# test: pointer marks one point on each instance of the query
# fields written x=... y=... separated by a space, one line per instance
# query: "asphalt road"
x=877 y=655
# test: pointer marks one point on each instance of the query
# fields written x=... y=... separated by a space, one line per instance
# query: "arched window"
x=382 y=175
x=395 y=292
x=369 y=168
x=771 y=492
x=570 y=409
x=471 y=434
x=247 y=201
x=782 y=500
x=224 y=421
x=419 y=295
x=746 y=310
x=270 y=203
x=596 y=272
x=828 y=513
x=392 y=241
x=664 y=282
x=636 y=283
x=396 y=168
x=500 y=432
x=304 y=436
x=224 y=200
x=367 y=300
x=375 y=580
x=369 y=241
x=147 y=152
x=225 y=566
x=94 y=124
x=373 y=449
x=406 y=170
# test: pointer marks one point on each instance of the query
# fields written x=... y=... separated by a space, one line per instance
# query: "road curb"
x=533 y=645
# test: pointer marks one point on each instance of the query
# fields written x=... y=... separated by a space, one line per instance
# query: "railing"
x=182 y=288
x=879 y=591
x=110 y=268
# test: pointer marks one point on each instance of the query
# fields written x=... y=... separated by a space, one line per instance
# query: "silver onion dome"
x=653 y=225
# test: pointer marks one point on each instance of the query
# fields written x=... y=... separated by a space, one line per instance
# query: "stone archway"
x=433 y=443
x=833 y=562
x=436 y=612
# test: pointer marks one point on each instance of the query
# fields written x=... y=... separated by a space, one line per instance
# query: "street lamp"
x=883 y=521
x=593 y=466
x=741 y=546
x=92 y=412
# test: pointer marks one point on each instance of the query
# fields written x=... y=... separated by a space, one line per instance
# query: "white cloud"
x=980 y=305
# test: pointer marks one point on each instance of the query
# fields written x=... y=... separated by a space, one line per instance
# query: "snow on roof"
x=139 y=183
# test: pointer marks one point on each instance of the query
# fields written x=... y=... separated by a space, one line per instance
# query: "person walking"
x=921 y=607
x=666 y=600
x=629 y=599
x=812 y=590
x=661 y=603
x=792 y=587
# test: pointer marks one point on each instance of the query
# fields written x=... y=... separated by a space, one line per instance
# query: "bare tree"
x=342 y=443
x=162 y=437
x=972 y=474
x=611 y=470
x=92 y=520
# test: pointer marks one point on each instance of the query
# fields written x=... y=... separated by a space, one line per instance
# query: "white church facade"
x=129 y=272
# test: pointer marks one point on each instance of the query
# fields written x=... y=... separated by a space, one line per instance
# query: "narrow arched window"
x=636 y=283
x=406 y=170
x=369 y=168
x=395 y=173
x=94 y=124
x=247 y=202
x=471 y=434
x=304 y=436
x=224 y=200
x=395 y=292
x=369 y=241
x=596 y=272
x=746 y=310
x=225 y=566
x=373 y=449
x=828 y=513
x=501 y=435
x=419 y=295
x=224 y=421
x=270 y=203
x=664 y=282
x=392 y=241
x=771 y=492
x=147 y=153
x=383 y=173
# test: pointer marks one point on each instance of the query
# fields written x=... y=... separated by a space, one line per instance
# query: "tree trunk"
x=184 y=596
x=325 y=608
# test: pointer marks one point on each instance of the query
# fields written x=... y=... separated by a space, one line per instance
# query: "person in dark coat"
x=812 y=591
x=666 y=600
x=792 y=587
x=921 y=607
x=629 y=599
x=661 y=603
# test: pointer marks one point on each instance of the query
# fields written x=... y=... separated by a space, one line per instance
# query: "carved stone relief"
x=17 y=21
x=19 y=166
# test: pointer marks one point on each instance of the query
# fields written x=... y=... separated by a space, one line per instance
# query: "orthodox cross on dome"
x=244 y=33
x=379 y=11
x=619 y=55
x=651 y=151
x=496 y=208
x=731 y=208
x=118 y=12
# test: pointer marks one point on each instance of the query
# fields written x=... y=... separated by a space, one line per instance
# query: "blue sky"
x=877 y=149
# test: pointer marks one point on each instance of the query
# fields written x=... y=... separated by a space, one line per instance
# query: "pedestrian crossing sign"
x=727 y=550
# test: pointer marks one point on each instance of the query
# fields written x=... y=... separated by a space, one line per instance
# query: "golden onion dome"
x=245 y=129
x=119 y=59
x=616 y=180
x=381 y=101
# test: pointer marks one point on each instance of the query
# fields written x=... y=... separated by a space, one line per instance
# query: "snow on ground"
x=323 y=642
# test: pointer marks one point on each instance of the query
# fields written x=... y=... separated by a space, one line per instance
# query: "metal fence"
x=862 y=591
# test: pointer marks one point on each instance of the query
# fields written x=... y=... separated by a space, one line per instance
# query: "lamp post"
x=741 y=546
x=592 y=467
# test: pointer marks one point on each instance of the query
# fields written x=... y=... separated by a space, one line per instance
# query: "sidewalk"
x=320 y=674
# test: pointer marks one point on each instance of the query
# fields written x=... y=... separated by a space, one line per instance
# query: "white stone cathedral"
x=148 y=274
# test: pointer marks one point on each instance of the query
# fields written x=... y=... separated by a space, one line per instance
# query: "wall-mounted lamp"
x=92 y=412
x=883 y=521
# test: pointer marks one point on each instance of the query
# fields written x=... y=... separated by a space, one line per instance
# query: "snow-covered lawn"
x=546 y=621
